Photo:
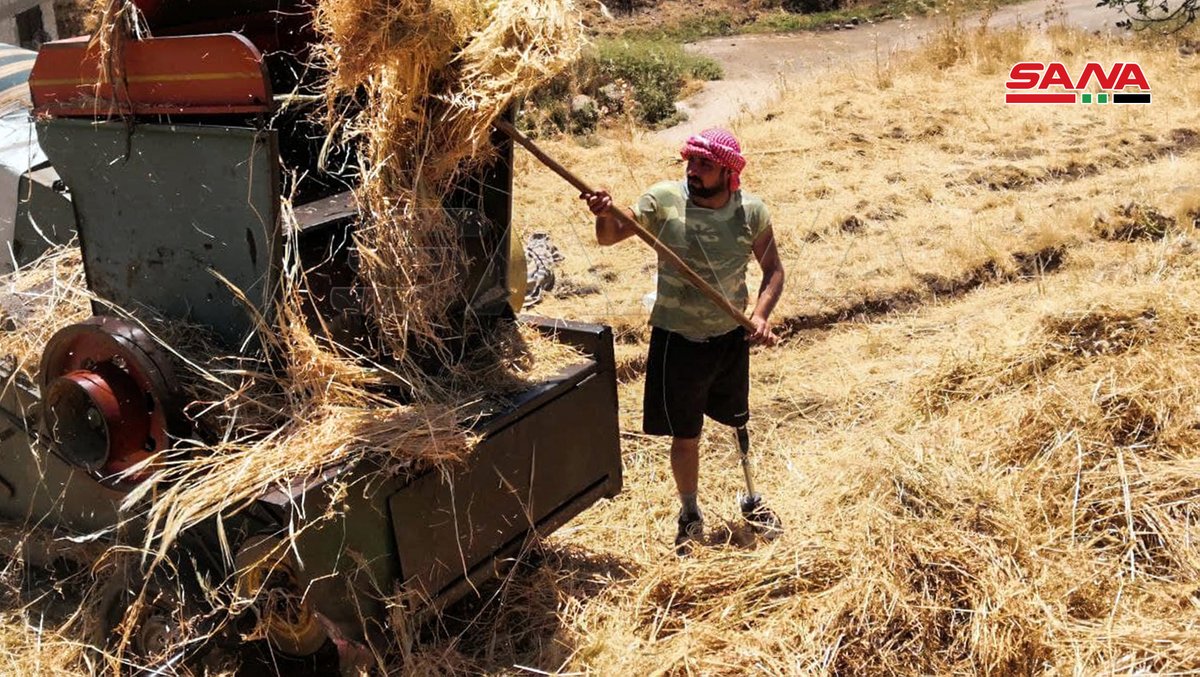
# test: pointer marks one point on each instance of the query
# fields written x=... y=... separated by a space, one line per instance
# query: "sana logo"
x=1035 y=82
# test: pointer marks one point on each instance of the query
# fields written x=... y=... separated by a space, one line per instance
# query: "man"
x=699 y=360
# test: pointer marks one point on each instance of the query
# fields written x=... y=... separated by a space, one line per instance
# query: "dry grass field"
x=981 y=428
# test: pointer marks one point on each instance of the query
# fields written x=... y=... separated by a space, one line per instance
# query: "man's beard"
x=697 y=189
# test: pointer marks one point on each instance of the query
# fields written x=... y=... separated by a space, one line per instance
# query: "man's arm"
x=609 y=229
x=771 y=288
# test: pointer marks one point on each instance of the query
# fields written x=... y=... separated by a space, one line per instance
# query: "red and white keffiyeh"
x=719 y=146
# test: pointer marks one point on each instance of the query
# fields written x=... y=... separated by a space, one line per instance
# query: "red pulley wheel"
x=110 y=399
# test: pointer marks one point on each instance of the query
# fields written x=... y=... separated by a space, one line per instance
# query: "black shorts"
x=685 y=380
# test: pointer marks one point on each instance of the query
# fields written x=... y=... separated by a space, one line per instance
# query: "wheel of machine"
x=150 y=621
x=110 y=397
x=267 y=573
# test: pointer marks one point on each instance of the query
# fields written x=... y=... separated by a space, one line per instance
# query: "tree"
x=1145 y=13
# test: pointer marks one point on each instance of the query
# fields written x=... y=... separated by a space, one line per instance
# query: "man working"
x=699 y=361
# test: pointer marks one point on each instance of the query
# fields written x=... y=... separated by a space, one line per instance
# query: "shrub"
x=704 y=68
x=641 y=77
x=811 y=6
x=656 y=70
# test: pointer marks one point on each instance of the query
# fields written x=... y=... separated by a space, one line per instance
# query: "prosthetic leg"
x=761 y=518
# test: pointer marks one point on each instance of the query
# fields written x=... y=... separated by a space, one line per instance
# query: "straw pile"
x=262 y=427
x=38 y=301
x=431 y=76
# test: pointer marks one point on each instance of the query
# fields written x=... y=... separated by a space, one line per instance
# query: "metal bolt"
x=157 y=635
x=119 y=361
x=94 y=419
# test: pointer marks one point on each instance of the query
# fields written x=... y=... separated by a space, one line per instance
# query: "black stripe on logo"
x=1131 y=97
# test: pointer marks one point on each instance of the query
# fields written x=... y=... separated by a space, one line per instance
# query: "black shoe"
x=691 y=530
x=761 y=518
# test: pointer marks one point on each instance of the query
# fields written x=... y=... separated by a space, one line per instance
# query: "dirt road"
x=756 y=65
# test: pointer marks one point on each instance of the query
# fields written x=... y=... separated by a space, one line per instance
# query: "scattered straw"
x=430 y=76
x=37 y=301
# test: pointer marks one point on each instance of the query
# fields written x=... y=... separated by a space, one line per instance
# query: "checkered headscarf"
x=720 y=146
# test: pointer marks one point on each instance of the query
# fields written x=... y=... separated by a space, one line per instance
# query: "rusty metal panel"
x=446 y=525
x=165 y=211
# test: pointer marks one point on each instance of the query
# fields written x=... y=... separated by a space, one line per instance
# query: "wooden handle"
x=663 y=250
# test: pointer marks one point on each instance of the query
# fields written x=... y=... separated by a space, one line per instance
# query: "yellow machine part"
x=518 y=273
x=267 y=574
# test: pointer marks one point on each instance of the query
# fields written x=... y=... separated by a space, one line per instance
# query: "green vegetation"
x=794 y=22
x=638 y=78
x=693 y=28
x=793 y=16
x=657 y=72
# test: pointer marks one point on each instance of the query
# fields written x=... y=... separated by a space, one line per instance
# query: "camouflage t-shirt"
x=716 y=243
